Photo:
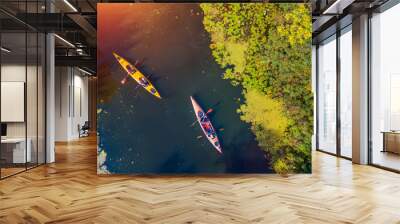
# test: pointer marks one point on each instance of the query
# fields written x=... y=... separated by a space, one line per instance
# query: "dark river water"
x=142 y=134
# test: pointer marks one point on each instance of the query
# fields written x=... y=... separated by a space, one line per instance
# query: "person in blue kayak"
x=201 y=115
x=206 y=124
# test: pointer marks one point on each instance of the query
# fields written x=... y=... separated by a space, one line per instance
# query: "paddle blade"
x=124 y=81
x=194 y=122
x=209 y=111
x=138 y=63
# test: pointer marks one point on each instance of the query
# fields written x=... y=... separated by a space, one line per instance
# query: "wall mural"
x=204 y=88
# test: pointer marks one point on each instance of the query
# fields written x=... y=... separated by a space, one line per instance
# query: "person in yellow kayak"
x=143 y=82
x=130 y=69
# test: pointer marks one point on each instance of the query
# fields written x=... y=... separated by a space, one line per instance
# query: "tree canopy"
x=266 y=48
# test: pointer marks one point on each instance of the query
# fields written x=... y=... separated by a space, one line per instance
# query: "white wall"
x=71 y=103
x=62 y=81
x=16 y=73
x=80 y=111
x=12 y=73
x=13 y=101
x=34 y=125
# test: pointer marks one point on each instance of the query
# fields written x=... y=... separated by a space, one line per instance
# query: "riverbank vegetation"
x=266 y=49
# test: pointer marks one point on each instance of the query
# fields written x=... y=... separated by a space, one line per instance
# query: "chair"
x=84 y=130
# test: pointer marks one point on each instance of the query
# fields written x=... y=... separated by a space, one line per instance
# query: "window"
x=22 y=88
x=327 y=95
x=346 y=92
x=385 y=89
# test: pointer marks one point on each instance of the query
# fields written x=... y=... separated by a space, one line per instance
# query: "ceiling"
x=75 y=23
x=332 y=15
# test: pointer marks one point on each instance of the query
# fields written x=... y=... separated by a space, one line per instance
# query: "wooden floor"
x=387 y=159
x=5 y=172
x=69 y=191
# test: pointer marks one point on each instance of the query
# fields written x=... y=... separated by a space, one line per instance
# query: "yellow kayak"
x=137 y=75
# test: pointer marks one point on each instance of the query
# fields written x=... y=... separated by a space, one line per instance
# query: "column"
x=360 y=90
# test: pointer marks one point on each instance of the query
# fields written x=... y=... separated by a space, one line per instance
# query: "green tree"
x=267 y=48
